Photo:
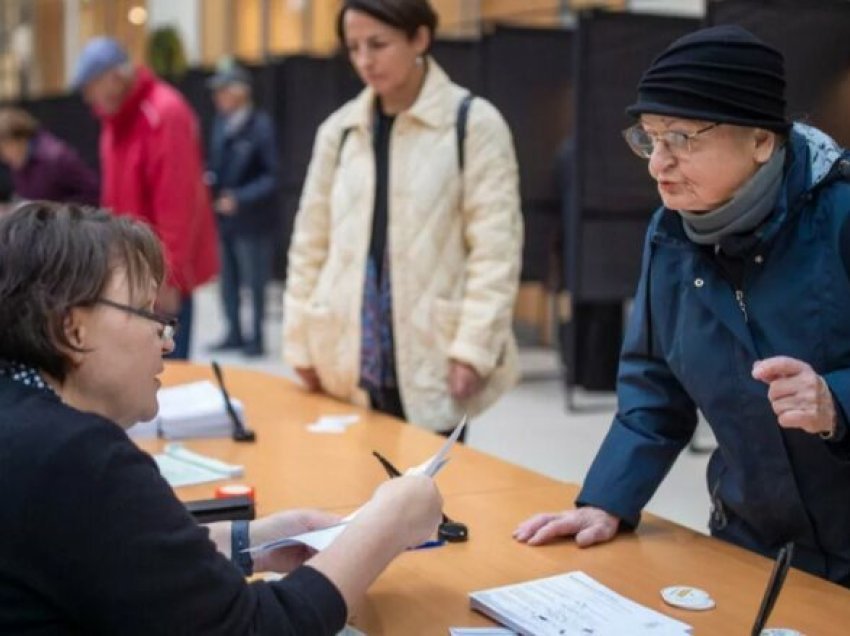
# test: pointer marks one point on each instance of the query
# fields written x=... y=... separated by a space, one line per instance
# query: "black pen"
x=392 y=471
x=774 y=586
x=451 y=530
x=240 y=432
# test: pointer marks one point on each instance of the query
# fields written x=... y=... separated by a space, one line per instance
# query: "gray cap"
x=99 y=55
x=231 y=75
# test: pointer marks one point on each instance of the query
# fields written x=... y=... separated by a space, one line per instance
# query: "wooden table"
x=426 y=592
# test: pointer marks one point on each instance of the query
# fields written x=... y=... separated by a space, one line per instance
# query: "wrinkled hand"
x=286 y=524
x=464 y=381
x=410 y=504
x=168 y=300
x=589 y=525
x=226 y=204
x=309 y=378
x=799 y=396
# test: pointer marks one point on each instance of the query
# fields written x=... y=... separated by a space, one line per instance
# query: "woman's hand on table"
x=589 y=526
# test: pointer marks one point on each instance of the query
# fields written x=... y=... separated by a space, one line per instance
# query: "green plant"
x=165 y=53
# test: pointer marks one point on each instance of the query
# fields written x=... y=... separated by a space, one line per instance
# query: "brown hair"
x=54 y=257
x=404 y=15
x=17 y=124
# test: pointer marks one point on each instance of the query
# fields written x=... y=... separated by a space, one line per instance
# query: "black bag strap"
x=461 y=125
x=345 y=132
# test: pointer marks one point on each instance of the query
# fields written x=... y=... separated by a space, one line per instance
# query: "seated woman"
x=742 y=311
x=94 y=540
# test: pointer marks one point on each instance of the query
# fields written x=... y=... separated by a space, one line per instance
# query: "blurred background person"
x=242 y=171
x=152 y=169
x=404 y=261
x=43 y=166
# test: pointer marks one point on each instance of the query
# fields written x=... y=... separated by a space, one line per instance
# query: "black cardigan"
x=93 y=541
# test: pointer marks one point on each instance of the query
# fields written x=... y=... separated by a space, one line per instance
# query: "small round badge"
x=687 y=597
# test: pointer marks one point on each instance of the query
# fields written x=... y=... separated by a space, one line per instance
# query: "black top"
x=95 y=542
x=380 y=215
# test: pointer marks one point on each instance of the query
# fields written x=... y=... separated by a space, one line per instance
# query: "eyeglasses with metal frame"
x=642 y=142
x=169 y=323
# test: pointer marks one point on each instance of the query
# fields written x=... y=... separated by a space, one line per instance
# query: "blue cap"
x=229 y=75
x=99 y=55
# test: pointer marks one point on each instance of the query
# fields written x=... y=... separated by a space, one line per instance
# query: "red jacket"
x=153 y=170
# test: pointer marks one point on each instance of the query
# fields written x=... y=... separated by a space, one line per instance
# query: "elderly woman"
x=405 y=258
x=742 y=311
x=94 y=540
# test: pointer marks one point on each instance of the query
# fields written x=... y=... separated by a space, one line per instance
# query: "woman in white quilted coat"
x=405 y=257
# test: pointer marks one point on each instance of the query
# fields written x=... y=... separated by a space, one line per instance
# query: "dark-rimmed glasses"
x=643 y=143
x=169 y=323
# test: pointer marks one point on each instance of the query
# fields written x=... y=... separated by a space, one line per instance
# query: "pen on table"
x=436 y=543
x=240 y=432
x=774 y=586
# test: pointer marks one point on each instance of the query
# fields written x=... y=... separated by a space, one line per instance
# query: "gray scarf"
x=750 y=206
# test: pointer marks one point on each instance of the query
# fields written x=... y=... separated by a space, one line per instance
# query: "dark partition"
x=613 y=195
x=462 y=60
x=528 y=77
x=69 y=118
x=814 y=37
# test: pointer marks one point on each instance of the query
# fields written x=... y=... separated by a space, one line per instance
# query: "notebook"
x=572 y=604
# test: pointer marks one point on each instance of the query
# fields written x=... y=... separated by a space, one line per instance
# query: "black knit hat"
x=719 y=74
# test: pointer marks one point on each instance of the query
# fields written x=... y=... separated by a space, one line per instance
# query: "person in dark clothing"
x=43 y=166
x=94 y=539
x=741 y=312
x=243 y=174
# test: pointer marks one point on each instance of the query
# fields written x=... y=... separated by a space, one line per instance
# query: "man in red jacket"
x=152 y=169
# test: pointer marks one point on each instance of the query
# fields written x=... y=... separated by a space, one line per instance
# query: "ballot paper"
x=481 y=631
x=572 y=604
x=320 y=539
x=187 y=411
x=182 y=467
x=332 y=423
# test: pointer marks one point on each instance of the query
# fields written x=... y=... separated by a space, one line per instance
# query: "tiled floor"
x=530 y=426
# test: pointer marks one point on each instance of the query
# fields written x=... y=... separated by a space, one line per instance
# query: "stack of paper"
x=572 y=604
x=187 y=411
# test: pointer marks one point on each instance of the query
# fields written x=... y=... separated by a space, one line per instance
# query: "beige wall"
x=109 y=17
x=49 y=46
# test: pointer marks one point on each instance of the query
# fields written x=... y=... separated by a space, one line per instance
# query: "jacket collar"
x=811 y=157
x=143 y=83
x=431 y=107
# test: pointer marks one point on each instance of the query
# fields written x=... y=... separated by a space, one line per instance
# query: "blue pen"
x=436 y=543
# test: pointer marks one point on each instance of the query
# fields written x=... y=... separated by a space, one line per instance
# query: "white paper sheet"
x=181 y=467
x=334 y=424
x=572 y=604
x=321 y=539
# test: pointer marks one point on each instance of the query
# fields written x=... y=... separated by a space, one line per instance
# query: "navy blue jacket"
x=690 y=344
x=244 y=163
